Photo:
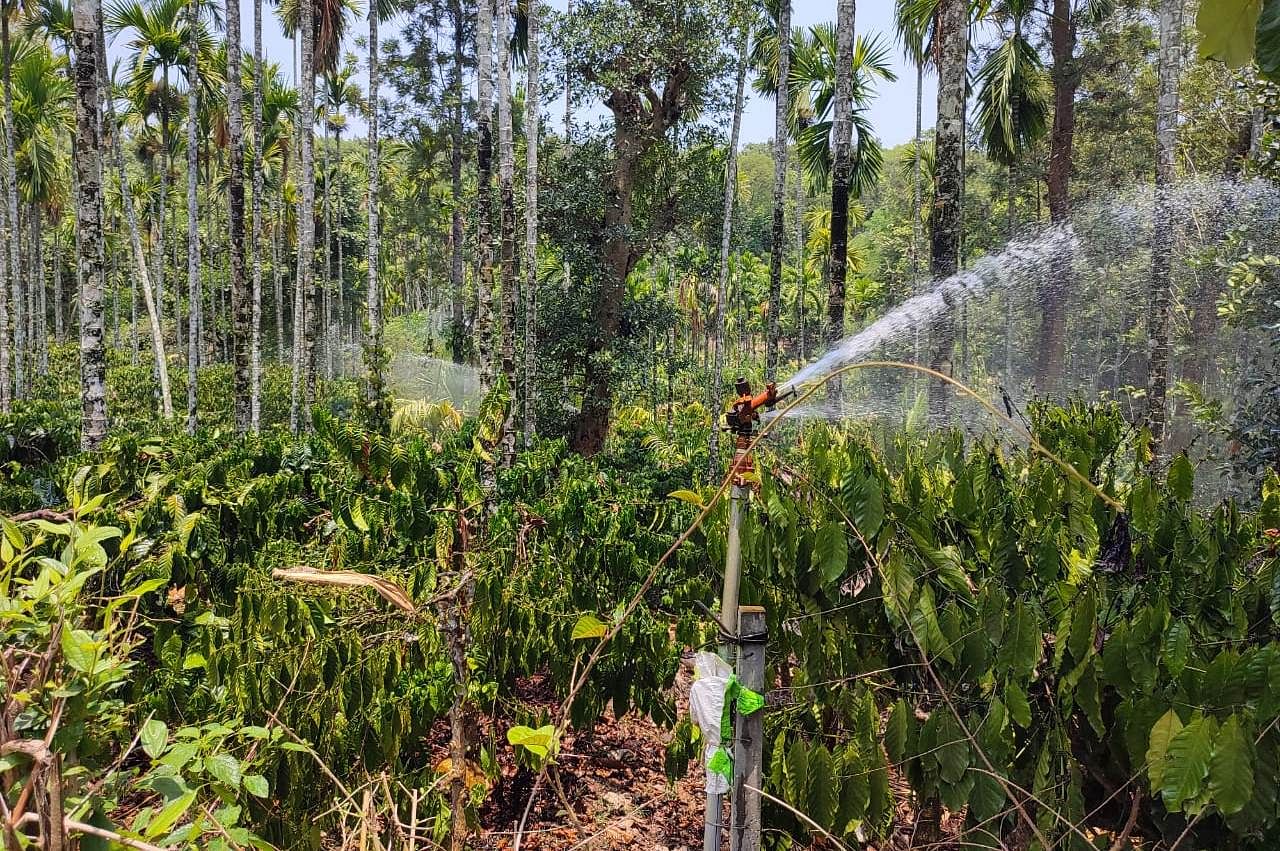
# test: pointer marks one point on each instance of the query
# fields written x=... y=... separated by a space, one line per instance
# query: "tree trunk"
x=135 y=240
x=715 y=402
x=256 y=229
x=305 y=369
x=277 y=267
x=841 y=174
x=945 y=221
x=484 y=190
x=89 y=207
x=917 y=188
x=506 y=189
x=193 y=222
x=457 y=282
x=38 y=293
x=1051 y=342
x=241 y=300
x=379 y=409
x=58 y=307
x=777 y=243
x=1163 y=232
x=11 y=223
x=532 y=138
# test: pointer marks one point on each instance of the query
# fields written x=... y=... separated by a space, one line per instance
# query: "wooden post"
x=748 y=749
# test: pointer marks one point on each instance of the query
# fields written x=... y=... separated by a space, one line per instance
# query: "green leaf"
x=896 y=731
x=256 y=785
x=824 y=788
x=1228 y=30
x=1181 y=477
x=1177 y=647
x=831 y=551
x=952 y=749
x=1231 y=768
x=987 y=798
x=1083 y=626
x=897 y=583
x=79 y=649
x=1187 y=762
x=864 y=503
x=795 y=773
x=255 y=732
x=1162 y=733
x=154 y=737
x=691 y=497
x=1015 y=699
x=1020 y=650
x=588 y=626
x=225 y=769
x=539 y=742
x=1268 y=40
x=169 y=816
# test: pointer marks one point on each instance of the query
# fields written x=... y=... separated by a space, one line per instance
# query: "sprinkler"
x=741 y=420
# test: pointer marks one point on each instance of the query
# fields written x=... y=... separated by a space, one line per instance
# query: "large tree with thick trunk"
x=650 y=61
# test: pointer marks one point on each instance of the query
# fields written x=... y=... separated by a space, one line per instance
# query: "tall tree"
x=914 y=21
x=1170 y=67
x=484 y=191
x=379 y=412
x=716 y=401
x=457 y=280
x=193 y=218
x=305 y=354
x=11 y=223
x=143 y=273
x=945 y=222
x=532 y=116
x=241 y=299
x=506 y=192
x=256 y=225
x=781 y=138
x=89 y=207
x=842 y=141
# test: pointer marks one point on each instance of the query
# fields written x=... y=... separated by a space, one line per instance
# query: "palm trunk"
x=255 y=343
x=1051 y=339
x=36 y=257
x=300 y=413
x=716 y=400
x=11 y=226
x=337 y=248
x=917 y=188
x=531 y=119
x=379 y=407
x=457 y=334
x=777 y=246
x=58 y=307
x=841 y=175
x=568 y=91
x=484 y=200
x=193 y=223
x=89 y=207
x=277 y=274
x=506 y=188
x=241 y=298
x=1162 y=238
x=135 y=242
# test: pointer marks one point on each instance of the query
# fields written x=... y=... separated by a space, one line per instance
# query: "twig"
x=813 y=824
x=1129 y=823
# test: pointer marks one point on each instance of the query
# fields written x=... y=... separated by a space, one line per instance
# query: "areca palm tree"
x=338 y=95
x=914 y=22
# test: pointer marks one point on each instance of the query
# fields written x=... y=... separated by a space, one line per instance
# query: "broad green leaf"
x=1177 y=646
x=255 y=732
x=169 y=816
x=224 y=768
x=1088 y=699
x=1019 y=707
x=1020 y=650
x=926 y=630
x=1083 y=626
x=1228 y=30
x=1162 y=733
x=691 y=497
x=987 y=797
x=831 y=551
x=896 y=731
x=1187 y=762
x=824 y=787
x=952 y=748
x=1268 y=40
x=795 y=773
x=539 y=742
x=1231 y=768
x=1181 y=477
x=256 y=785
x=864 y=503
x=192 y=661
x=80 y=650
x=898 y=584
x=588 y=626
x=154 y=736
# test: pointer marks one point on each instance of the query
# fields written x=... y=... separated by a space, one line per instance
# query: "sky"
x=892 y=112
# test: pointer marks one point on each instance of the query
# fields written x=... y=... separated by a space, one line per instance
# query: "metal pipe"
x=714 y=814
